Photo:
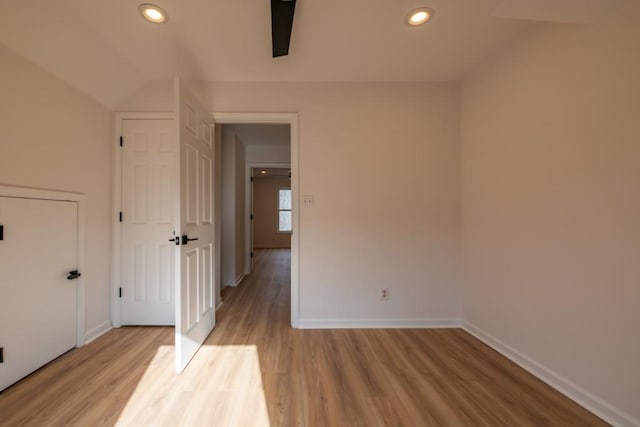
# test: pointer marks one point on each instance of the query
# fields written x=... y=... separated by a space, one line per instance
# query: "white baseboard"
x=236 y=281
x=218 y=304
x=596 y=405
x=96 y=332
x=379 y=323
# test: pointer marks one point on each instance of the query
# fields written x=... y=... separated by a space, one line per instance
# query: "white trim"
x=599 y=407
x=218 y=304
x=79 y=199
x=116 y=246
x=95 y=333
x=292 y=119
x=237 y=280
x=419 y=323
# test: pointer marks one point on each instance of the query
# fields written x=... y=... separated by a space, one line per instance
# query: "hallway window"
x=284 y=208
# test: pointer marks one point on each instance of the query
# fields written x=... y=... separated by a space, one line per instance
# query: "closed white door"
x=195 y=305
x=38 y=303
x=149 y=160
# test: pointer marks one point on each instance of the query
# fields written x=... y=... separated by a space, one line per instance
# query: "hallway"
x=254 y=369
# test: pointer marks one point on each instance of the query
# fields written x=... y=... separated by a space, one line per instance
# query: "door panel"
x=195 y=312
x=149 y=160
x=38 y=305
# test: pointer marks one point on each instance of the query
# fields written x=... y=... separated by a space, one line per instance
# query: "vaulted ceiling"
x=107 y=50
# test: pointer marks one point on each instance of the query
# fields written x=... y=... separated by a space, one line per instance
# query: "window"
x=284 y=211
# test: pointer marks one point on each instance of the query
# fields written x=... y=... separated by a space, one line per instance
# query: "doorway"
x=271 y=213
x=221 y=119
x=257 y=157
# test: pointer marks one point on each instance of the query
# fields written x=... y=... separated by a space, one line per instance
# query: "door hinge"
x=121 y=141
x=119 y=292
x=120 y=216
x=1 y=354
x=251 y=254
x=251 y=216
x=1 y=232
x=74 y=275
x=251 y=179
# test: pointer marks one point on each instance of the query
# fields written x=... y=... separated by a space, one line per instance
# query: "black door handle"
x=186 y=239
x=73 y=275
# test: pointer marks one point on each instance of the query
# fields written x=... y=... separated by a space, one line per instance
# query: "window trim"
x=285 y=210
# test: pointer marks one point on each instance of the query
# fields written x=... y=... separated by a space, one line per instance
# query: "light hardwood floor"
x=255 y=370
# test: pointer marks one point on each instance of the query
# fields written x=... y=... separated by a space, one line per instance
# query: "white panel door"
x=38 y=304
x=149 y=159
x=195 y=305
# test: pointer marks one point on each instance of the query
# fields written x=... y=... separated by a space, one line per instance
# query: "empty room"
x=320 y=213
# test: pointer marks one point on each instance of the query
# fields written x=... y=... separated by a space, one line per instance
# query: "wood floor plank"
x=255 y=370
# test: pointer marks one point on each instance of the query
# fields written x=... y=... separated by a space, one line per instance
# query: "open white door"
x=195 y=298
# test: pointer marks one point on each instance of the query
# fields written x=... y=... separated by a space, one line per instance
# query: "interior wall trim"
x=98 y=331
x=589 y=401
x=408 y=323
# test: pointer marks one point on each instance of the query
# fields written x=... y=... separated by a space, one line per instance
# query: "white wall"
x=153 y=96
x=240 y=211
x=232 y=246
x=55 y=137
x=268 y=154
x=382 y=161
x=551 y=206
x=227 y=251
x=217 y=185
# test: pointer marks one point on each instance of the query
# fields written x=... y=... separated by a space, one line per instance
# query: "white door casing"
x=149 y=157
x=195 y=294
x=251 y=223
x=38 y=304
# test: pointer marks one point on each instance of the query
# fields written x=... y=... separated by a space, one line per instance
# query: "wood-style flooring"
x=255 y=370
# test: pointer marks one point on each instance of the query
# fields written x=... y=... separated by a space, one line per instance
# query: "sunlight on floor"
x=222 y=386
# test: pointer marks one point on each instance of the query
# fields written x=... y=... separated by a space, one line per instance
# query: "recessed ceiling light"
x=419 y=16
x=153 y=13
x=263 y=172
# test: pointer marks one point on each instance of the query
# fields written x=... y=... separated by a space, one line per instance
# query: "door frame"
x=79 y=199
x=291 y=119
x=116 y=248
x=248 y=266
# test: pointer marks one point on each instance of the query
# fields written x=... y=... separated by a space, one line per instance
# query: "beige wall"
x=265 y=212
x=382 y=162
x=240 y=212
x=55 y=137
x=268 y=154
x=551 y=204
x=153 y=96
x=232 y=244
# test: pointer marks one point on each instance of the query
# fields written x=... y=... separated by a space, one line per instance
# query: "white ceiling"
x=559 y=11
x=107 y=50
x=261 y=135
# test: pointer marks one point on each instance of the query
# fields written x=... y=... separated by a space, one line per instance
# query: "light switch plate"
x=307 y=201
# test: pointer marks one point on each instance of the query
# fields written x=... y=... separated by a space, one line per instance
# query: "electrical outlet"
x=384 y=294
